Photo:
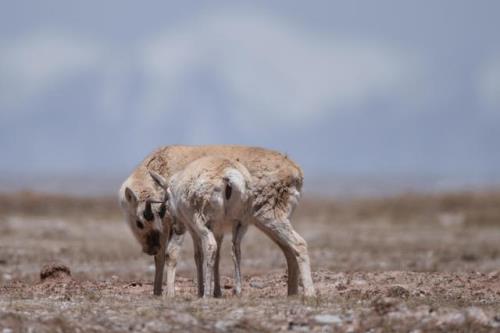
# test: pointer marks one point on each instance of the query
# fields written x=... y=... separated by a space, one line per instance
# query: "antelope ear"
x=130 y=196
x=159 y=180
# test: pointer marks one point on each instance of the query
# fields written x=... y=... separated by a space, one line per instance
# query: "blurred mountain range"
x=371 y=91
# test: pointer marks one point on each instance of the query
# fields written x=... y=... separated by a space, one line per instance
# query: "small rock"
x=54 y=271
x=477 y=315
x=327 y=319
x=223 y=326
x=186 y=319
x=7 y=330
x=398 y=291
x=257 y=284
x=469 y=256
x=298 y=326
x=384 y=305
x=155 y=326
x=452 y=319
x=230 y=321
x=359 y=282
x=451 y=219
x=340 y=286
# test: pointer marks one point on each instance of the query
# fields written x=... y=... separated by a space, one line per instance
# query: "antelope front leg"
x=198 y=259
x=209 y=248
x=173 y=250
x=159 y=266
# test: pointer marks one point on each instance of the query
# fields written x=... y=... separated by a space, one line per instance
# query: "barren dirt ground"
x=409 y=263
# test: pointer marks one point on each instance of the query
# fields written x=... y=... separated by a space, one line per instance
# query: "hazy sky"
x=346 y=88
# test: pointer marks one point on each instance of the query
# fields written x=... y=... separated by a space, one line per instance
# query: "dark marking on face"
x=148 y=212
x=139 y=224
x=229 y=191
x=163 y=210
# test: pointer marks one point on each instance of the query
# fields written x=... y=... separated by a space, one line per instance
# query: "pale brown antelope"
x=275 y=185
x=209 y=195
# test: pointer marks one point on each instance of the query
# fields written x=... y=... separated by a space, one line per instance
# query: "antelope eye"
x=163 y=210
x=148 y=215
x=139 y=224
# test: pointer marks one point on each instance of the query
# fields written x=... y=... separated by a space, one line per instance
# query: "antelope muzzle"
x=152 y=243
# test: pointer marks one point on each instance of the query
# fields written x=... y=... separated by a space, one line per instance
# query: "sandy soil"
x=417 y=263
